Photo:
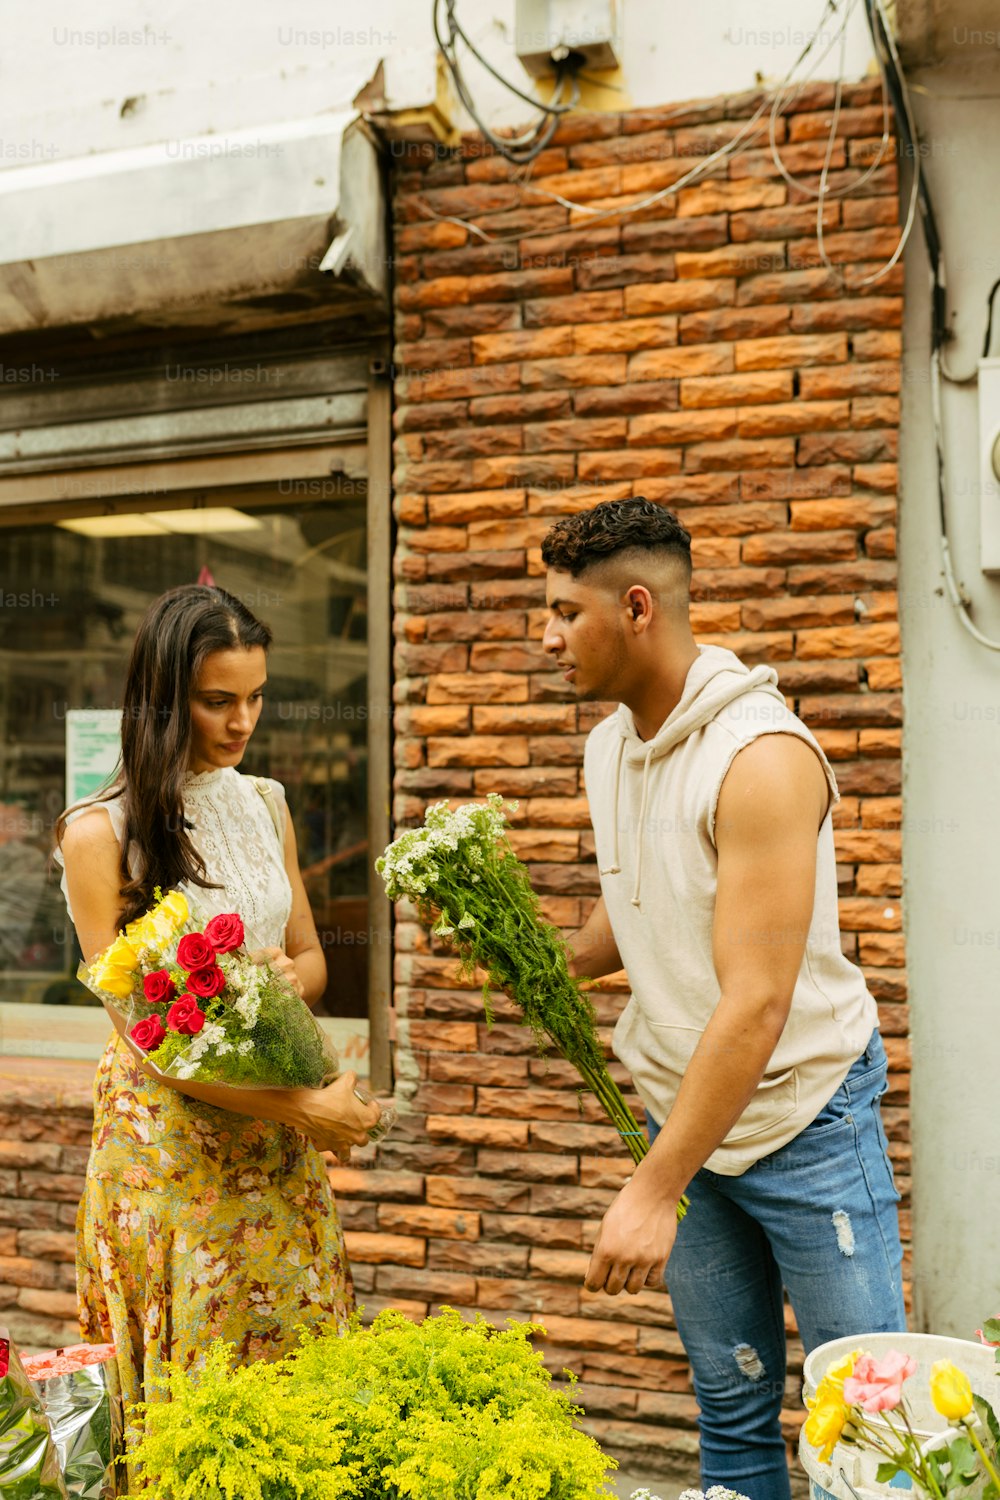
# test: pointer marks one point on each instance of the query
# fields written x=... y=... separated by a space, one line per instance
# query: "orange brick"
x=860 y=511
x=441 y=1223
x=544 y=343
x=789 y=352
x=443 y=1036
x=500 y=1134
x=733 y=390
x=478 y=750
x=677 y=296
x=608 y=369
x=625 y=335
x=729 y=260
x=385 y=1249
x=659 y=428
x=849 y=640
x=793 y=416
x=477 y=687
x=664 y=364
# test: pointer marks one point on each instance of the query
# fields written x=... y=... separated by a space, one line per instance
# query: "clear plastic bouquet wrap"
x=80 y=1394
x=203 y=1009
x=29 y=1463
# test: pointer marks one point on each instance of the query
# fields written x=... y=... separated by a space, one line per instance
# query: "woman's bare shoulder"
x=91 y=832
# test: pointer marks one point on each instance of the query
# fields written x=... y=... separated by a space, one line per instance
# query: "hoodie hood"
x=715 y=680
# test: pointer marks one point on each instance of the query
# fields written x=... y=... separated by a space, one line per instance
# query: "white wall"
x=191 y=67
x=951 y=823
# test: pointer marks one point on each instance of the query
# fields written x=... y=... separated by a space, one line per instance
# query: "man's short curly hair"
x=593 y=536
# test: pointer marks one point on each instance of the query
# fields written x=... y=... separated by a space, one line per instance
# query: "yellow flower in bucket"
x=825 y=1423
x=950 y=1390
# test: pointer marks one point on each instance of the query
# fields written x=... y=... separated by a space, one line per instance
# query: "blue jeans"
x=818 y=1218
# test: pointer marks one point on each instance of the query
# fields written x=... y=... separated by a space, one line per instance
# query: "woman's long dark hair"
x=176 y=634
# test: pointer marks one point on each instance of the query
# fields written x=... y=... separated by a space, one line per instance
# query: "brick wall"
x=698 y=352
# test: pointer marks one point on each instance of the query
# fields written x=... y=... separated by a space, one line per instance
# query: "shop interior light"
x=209 y=520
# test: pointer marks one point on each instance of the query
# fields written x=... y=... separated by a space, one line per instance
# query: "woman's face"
x=226 y=700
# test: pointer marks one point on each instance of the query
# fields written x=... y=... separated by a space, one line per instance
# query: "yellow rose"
x=825 y=1423
x=950 y=1390
x=837 y=1372
x=120 y=955
x=116 y=981
x=142 y=931
x=174 y=904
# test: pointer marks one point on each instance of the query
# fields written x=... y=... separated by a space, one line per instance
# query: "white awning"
x=178 y=231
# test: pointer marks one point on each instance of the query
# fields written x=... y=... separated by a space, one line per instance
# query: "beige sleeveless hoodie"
x=653 y=804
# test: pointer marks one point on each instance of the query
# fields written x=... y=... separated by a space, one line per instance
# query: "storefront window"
x=72 y=596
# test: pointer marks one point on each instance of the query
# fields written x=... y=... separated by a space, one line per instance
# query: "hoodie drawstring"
x=642 y=821
x=614 y=868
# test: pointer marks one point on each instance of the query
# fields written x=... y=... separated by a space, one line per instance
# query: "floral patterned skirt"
x=198 y=1224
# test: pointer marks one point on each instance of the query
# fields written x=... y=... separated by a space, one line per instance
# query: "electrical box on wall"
x=989 y=464
x=549 y=31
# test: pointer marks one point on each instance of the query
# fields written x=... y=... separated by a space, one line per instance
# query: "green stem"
x=991 y=1471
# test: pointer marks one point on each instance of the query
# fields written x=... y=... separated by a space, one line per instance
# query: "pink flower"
x=877 y=1384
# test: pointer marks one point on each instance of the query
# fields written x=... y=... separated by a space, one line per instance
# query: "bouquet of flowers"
x=470 y=887
x=860 y=1401
x=201 y=1008
x=79 y=1392
x=29 y=1463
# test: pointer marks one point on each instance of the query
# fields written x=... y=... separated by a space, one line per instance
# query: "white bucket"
x=850 y=1474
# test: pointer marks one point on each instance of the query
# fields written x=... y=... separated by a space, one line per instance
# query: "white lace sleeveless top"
x=234 y=833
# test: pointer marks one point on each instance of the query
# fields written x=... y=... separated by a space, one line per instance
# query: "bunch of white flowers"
x=411 y=864
x=715 y=1492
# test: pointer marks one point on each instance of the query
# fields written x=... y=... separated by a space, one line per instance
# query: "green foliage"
x=235 y=1432
x=443 y=1410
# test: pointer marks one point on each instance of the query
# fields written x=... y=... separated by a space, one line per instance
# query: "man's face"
x=585 y=635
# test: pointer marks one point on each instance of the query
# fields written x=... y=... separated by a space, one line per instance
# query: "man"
x=751 y=1039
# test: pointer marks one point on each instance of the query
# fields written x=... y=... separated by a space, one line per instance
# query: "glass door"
x=295 y=553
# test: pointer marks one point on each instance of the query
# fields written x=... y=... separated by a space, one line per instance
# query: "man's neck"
x=654 y=700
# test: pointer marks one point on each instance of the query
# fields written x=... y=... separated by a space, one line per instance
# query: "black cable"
x=989 y=318
x=524 y=149
x=893 y=82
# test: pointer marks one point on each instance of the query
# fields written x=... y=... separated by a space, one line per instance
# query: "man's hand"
x=635 y=1240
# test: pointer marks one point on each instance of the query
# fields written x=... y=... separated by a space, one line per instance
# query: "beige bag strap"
x=266 y=790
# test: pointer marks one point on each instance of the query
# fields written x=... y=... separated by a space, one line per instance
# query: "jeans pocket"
x=834 y=1112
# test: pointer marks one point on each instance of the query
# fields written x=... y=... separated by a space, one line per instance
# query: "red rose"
x=158 y=987
x=148 y=1034
x=195 y=951
x=185 y=1017
x=225 y=932
x=207 y=983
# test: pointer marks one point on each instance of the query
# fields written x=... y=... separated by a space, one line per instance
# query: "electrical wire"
x=701 y=168
x=523 y=149
x=896 y=82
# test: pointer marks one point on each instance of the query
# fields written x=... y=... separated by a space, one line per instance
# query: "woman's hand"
x=285 y=966
x=334 y=1117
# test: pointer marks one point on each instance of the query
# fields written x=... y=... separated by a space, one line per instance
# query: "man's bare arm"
x=593 y=950
x=769 y=811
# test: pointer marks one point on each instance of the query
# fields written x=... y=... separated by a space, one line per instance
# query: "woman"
x=206 y=1211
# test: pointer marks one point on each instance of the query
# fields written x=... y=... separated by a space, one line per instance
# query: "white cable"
x=951 y=584
x=703 y=166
